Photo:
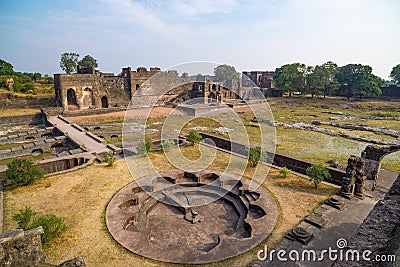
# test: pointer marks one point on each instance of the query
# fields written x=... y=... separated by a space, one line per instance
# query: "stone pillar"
x=354 y=180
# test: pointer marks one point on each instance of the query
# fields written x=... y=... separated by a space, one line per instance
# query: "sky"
x=248 y=34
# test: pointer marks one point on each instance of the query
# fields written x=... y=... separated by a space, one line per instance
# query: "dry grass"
x=18 y=112
x=81 y=198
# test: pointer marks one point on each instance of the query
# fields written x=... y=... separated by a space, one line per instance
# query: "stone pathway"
x=342 y=225
x=92 y=144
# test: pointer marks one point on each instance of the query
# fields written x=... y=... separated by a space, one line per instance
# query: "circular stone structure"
x=172 y=217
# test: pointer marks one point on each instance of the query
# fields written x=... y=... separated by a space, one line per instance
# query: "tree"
x=88 y=61
x=225 y=72
x=255 y=156
x=140 y=69
x=185 y=75
x=36 y=76
x=109 y=158
x=317 y=174
x=320 y=79
x=145 y=147
x=358 y=80
x=167 y=145
x=69 y=62
x=23 y=172
x=290 y=77
x=194 y=137
x=395 y=74
x=6 y=68
x=285 y=172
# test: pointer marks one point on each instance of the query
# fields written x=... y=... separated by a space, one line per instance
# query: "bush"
x=194 y=137
x=24 y=218
x=53 y=226
x=145 y=147
x=22 y=172
x=109 y=158
x=255 y=155
x=317 y=174
x=285 y=172
x=167 y=145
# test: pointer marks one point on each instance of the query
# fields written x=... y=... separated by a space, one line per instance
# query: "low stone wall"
x=380 y=231
x=31 y=119
x=13 y=101
x=24 y=248
x=61 y=165
x=279 y=160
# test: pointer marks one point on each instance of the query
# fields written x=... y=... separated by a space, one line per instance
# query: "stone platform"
x=183 y=217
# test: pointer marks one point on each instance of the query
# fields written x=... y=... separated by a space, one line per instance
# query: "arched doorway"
x=373 y=156
x=104 y=102
x=71 y=97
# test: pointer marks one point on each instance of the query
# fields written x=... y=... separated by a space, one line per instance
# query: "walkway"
x=91 y=142
x=342 y=224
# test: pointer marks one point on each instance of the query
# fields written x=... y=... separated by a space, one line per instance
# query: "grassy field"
x=81 y=198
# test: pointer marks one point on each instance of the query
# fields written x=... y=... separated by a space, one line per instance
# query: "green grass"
x=385 y=114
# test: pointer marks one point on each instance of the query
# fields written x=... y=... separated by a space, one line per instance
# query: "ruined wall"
x=12 y=101
x=84 y=91
x=24 y=248
x=279 y=160
x=380 y=231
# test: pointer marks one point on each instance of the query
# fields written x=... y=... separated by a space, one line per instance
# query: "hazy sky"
x=249 y=34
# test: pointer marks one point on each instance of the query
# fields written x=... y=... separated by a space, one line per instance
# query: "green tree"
x=285 y=172
x=145 y=147
x=358 y=80
x=88 y=61
x=36 y=76
x=109 y=158
x=6 y=68
x=226 y=72
x=22 y=172
x=167 y=145
x=194 y=137
x=395 y=74
x=317 y=174
x=185 y=75
x=255 y=155
x=141 y=69
x=69 y=62
x=291 y=77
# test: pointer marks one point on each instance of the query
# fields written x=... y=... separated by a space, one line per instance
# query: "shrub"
x=24 y=218
x=317 y=174
x=285 y=172
x=194 y=137
x=255 y=155
x=53 y=226
x=167 y=145
x=22 y=172
x=145 y=147
x=109 y=158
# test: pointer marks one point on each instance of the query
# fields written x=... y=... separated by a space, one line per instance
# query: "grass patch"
x=385 y=114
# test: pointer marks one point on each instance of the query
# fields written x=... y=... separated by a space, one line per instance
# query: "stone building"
x=89 y=89
x=262 y=79
x=213 y=91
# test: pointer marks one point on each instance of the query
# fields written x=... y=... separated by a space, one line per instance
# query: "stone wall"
x=31 y=119
x=279 y=160
x=380 y=231
x=21 y=248
x=12 y=101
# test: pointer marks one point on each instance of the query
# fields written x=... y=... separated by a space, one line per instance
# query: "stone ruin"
x=353 y=182
x=24 y=248
x=185 y=217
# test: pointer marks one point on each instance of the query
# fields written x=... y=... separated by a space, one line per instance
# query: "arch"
x=71 y=97
x=214 y=87
x=104 y=102
x=137 y=86
x=373 y=156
